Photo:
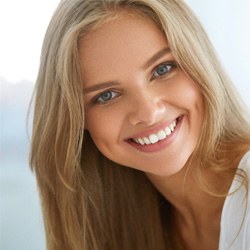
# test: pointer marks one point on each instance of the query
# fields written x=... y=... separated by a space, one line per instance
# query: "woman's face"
x=141 y=110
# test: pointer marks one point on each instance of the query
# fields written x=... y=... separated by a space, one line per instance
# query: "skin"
x=142 y=103
x=119 y=57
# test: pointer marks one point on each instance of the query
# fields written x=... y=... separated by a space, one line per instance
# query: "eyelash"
x=171 y=66
x=114 y=94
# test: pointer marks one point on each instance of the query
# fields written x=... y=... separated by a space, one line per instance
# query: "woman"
x=139 y=139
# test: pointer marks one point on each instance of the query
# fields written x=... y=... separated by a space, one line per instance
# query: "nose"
x=146 y=109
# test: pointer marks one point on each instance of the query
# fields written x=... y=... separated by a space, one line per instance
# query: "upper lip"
x=153 y=130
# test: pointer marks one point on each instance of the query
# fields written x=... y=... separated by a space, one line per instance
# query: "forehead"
x=125 y=40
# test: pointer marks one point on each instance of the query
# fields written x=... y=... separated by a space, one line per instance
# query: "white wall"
x=227 y=23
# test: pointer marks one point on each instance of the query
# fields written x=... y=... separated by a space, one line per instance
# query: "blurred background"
x=22 y=25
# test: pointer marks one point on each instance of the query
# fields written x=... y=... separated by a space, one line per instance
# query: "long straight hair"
x=88 y=201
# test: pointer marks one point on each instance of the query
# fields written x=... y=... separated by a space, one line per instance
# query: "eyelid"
x=172 y=63
x=95 y=98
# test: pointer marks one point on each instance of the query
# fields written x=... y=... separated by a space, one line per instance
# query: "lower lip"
x=160 y=144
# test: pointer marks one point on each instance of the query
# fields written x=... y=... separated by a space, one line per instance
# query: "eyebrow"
x=157 y=56
x=100 y=86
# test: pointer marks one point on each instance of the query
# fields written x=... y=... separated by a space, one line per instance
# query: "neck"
x=194 y=210
x=190 y=189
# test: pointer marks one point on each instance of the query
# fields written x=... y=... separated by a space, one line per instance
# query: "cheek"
x=195 y=106
x=192 y=98
x=105 y=133
x=189 y=97
x=188 y=94
x=103 y=126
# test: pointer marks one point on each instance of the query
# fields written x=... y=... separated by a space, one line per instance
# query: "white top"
x=235 y=218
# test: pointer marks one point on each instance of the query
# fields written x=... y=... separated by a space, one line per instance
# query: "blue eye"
x=163 y=69
x=106 y=96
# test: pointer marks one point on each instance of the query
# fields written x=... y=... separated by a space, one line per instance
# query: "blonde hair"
x=88 y=201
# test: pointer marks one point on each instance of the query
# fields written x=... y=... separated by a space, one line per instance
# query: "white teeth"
x=161 y=135
x=141 y=141
x=171 y=127
x=168 y=131
x=154 y=138
x=146 y=140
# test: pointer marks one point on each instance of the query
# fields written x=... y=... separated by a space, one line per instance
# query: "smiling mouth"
x=158 y=136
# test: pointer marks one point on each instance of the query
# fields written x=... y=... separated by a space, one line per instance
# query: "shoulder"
x=235 y=218
x=245 y=163
x=246 y=233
